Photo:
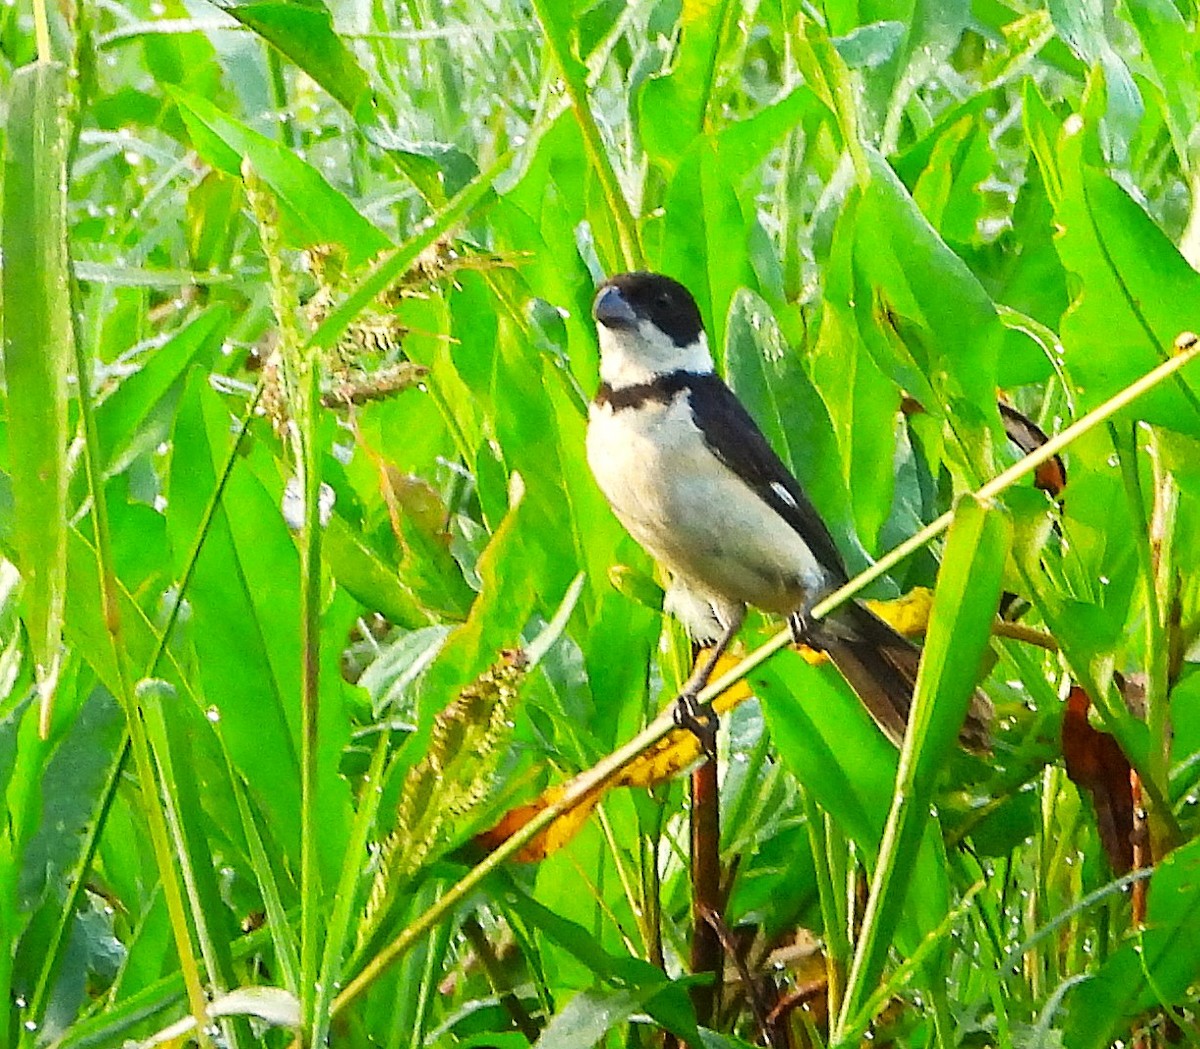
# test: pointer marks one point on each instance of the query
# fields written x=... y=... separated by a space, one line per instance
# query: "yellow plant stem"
x=41 y=31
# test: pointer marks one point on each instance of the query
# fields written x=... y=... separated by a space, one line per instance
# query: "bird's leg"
x=689 y=713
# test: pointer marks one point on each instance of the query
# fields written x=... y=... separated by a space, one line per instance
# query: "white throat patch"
x=631 y=358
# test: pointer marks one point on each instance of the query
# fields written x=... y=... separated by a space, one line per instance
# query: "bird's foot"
x=804 y=628
x=699 y=719
x=809 y=632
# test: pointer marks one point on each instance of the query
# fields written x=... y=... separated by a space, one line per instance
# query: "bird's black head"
x=627 y=298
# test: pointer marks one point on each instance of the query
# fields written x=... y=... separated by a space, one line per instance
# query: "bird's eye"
x=663 y=300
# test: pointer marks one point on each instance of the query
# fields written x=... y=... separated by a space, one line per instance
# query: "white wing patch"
x=784 y=494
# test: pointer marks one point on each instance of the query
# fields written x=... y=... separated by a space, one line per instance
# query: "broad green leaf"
x=244 y=601
x=171 y=728
x=744 y=144
x=495 y=621
x=1170 y=44
x=1033 y=285
x=437 y=170
x=673 y=108
x=826 y=73
x=707 y=236
x=131 y=417
x=1137 y=293
x=540 y=214
x=861 y=400
x=912 y=162
x=830 y=743
x=965 y=602
x=769 y=379
x=663 y=999
x=613 y=223
x=303 y=31
x=908 y=280
x=29 y=756
x=213 y=209
x=312 y=211
x=870 y=45
x=38 y=341
x=929 y=30
x=947 y=192
x=584 y=1021
x=1081 y=24
x=184 y=59
x=366 y=577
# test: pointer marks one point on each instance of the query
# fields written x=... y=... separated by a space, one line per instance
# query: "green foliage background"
x=242 y=778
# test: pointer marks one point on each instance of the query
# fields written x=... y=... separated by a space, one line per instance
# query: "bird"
x=694 y=481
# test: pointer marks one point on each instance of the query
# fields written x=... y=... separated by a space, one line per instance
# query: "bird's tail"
x=881 y=666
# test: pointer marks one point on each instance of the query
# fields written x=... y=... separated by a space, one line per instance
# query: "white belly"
x=692 y=513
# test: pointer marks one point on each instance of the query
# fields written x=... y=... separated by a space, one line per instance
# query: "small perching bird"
x=691 y=476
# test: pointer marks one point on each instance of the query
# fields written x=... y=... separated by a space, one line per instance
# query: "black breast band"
x=661 y=391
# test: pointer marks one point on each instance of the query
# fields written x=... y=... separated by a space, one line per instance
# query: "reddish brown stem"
x=706 y=890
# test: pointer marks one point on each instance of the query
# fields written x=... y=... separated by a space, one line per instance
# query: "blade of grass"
x=344 y=900
x=603 y=771
x=968 y=591
x=1154 y=557
x=904 y=972
x=37 y=352
x=828 y=844
x=301 y=375
x=184 y=820
x=277 y=920
x=36 y=161
x=556 y=26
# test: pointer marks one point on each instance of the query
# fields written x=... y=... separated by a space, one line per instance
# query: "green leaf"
x=438 y=170
x=673 y=108
x=1137 y=293
x=861 y=400
x=367 y=578
x=311 y=210
x=243 y=598
x=38 y=342
x=830 y=743
x=744 y=144
x=303 y=31
x=1081 y=24
x=495 y=620
x=132 y=417
x=707 y=236
x=1171 y=46
x=584 y=1021
x=213 y=211
x=908 y=280
x=825 y=71
x=662 y=998
x=769 y=379
x=965 y=602
x=171 y=730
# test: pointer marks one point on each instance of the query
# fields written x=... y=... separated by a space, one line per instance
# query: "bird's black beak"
x=612 y=310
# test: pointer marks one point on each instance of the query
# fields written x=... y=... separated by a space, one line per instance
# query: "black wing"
x=736 y=440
